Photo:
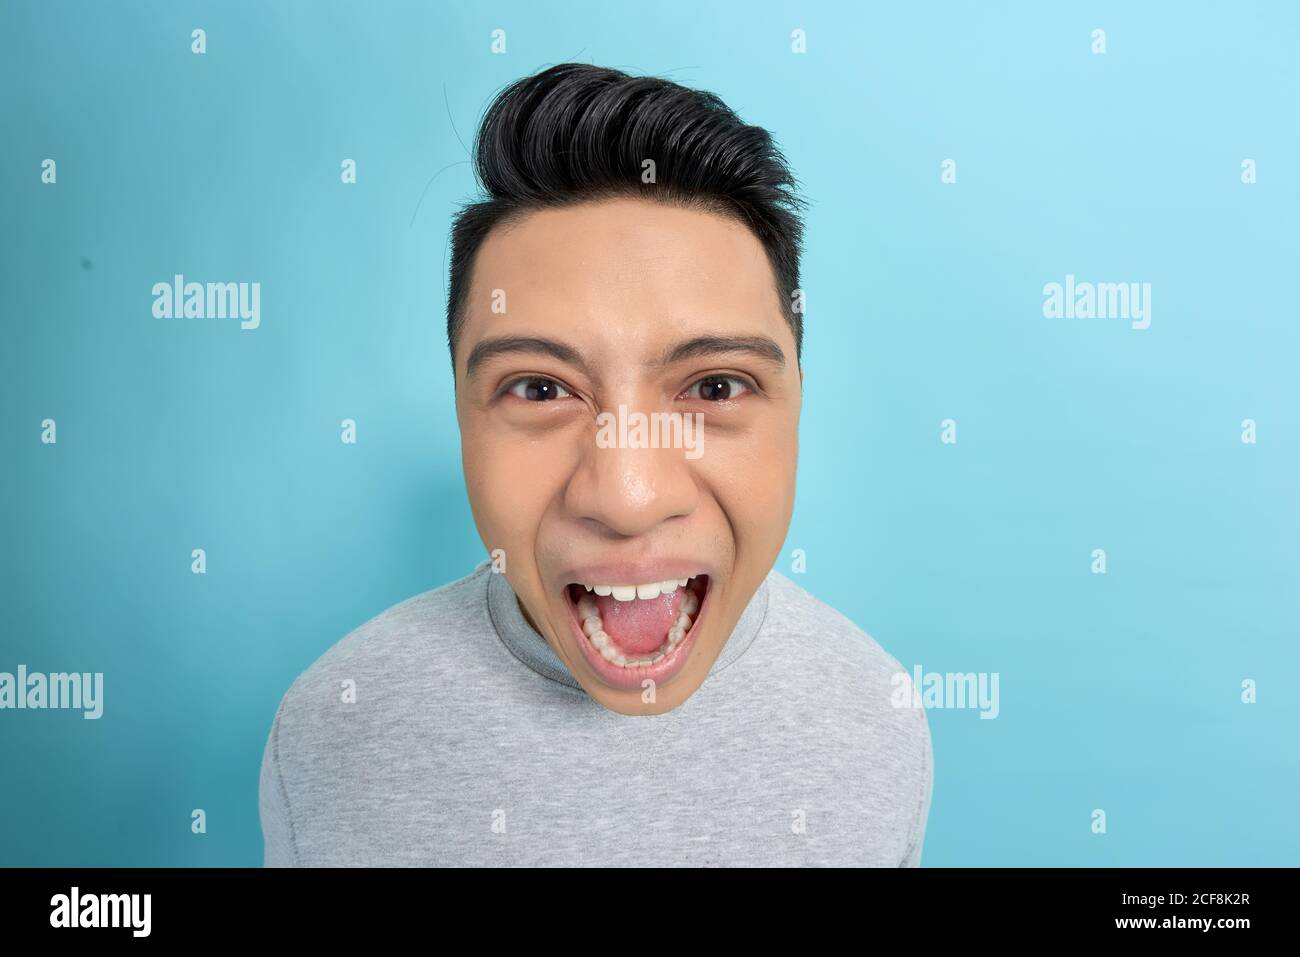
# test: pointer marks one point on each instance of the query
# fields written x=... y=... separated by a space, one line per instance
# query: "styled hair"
x=575 y=133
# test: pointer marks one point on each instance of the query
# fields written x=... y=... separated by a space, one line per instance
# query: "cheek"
x=755 y=469
x=753 y=481
x=511 y=483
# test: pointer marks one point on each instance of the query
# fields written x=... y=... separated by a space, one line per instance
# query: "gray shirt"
x=446 y=732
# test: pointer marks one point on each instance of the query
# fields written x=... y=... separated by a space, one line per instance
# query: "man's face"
x=630 y=308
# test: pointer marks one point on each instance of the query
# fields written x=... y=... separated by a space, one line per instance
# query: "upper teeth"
x=633 y=592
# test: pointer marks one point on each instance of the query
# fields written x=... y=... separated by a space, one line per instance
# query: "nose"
x=629 y=491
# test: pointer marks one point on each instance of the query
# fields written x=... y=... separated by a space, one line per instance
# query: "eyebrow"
x=535 y=345
x=759 y=346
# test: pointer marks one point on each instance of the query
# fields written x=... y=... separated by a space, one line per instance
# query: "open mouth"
x=630 y=632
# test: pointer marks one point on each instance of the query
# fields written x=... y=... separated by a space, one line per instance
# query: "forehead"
x=623 y=272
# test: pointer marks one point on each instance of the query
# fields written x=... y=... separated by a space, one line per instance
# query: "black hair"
x=575 y=132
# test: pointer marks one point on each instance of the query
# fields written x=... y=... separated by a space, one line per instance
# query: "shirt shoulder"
x=809 y=624
x=391 y=665
x=835 y=674
x=408 y=634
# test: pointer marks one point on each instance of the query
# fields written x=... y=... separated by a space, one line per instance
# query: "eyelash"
x=527 y=381
x=745 y=386
x=533 y=379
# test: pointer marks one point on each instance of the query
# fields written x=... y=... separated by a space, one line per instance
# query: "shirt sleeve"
x=277 y=823
x=912 y=856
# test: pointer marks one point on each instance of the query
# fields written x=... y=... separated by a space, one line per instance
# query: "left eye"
x=718 y=388
x=538 y=389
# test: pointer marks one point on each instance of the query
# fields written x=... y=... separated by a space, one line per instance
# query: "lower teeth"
x=594 y=629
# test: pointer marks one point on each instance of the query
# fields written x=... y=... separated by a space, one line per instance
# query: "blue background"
x=1118 y=691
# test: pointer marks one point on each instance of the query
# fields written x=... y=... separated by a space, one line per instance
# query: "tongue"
x=639 y=627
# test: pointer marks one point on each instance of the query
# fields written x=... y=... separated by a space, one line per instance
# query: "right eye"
x=538 y=389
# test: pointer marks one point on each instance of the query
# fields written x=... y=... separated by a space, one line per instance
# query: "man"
x=627 y=681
